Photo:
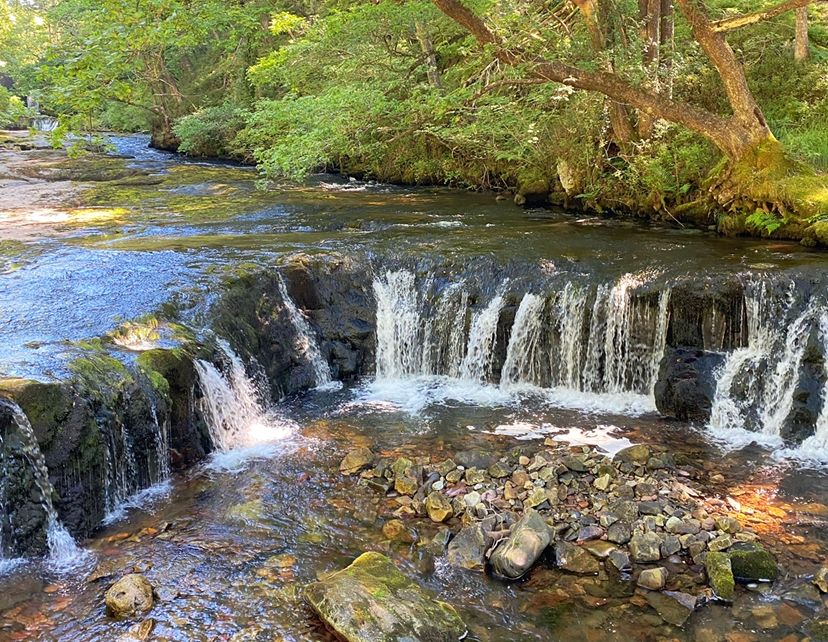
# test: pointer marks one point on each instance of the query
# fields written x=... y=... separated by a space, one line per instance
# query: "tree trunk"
x=427 y=47
x=801 y=46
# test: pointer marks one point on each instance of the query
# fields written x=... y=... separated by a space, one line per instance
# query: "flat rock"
x=638 y=454
x=674 y=607
x=468 y=547
x=645 y=547
x=372 y=601
x=525 y=544
x=575 y=559
x=357 y=459
x=438 y=507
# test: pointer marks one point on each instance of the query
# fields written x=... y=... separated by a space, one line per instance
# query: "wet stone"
x=638 y=454
x=619 y=532
x=468 y=547
x=674 y=607
x=752 y=562
x=590 y=532
x=620 y=560
x=653 y=579
x=474 y=476
x=721 y=543
x=397 y=531
x=525 y=544
x=372 y=600
x=130 y=595
x=720 y=575
x=438 y=507
x=649 y=508
x=499 y=470
x=575 y=559
x=645 y=547
x=356 y=460
x=821 y=579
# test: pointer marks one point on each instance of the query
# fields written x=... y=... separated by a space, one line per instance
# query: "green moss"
x=751 y=562
x=100 y=376
x=720 y=575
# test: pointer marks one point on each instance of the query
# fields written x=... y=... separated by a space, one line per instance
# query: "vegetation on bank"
x=701 y=112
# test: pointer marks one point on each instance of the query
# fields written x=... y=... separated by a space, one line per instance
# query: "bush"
x=211 y=131
x=12 y=109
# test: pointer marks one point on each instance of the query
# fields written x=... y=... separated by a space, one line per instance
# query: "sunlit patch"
x=137 y=337
x=601 y=437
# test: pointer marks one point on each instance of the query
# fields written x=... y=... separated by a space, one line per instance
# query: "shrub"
x=211 y=131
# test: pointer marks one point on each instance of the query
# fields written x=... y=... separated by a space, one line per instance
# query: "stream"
x=487 y=328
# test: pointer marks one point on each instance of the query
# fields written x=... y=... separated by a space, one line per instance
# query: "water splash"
x=64 y=554
x=756 y=384
x=306 y=339
x=399 y=325
x=524 y=361
x=239 y=426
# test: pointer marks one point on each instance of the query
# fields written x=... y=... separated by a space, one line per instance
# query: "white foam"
x=143 y=499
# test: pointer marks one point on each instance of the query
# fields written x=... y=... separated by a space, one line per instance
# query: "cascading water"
x=238 y=424
x=603 y=340
x=306 y=341
x=756 y=384
x=64 y=554
x=477 y=364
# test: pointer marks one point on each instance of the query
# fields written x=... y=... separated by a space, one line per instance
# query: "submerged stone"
x=674 y=607
x=438 y=507
x=653 y=578
x=357 y=459
x=130 y=595
x=372 y=601
x=526 y=543
x=575 y=559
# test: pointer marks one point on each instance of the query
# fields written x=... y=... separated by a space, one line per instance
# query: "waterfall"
x=815 y=447
x=524 y=360
x=477 y=364
x=400 y=333
x=756 y=384
x=64 y=554
x=306 y=340
x=608 y=339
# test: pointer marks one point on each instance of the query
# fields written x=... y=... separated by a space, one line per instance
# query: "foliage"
x=210 y=131
x=12 y=109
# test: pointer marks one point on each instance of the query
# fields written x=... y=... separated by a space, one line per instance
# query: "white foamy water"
x=142 y=500
x=601 y=437
x=241 y=429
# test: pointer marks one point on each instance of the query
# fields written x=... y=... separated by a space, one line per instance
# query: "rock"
x=406 y=484
x=720 y=575
x=649 y=508
x=130 y=595
x=356 y=460
x=729 y=525
x=638 y=454
x=468 y=548
x=653 y=578
x=526 y=543
x=674 y=607
x=396 y=531
x=599 y=548
x=751 y=562
x=620 y=560
x=590 y=532
x=602 y=482
x=721 y=543
x=645 y=547
x=471 y=499
x=687 y=384
x=372 y=600
x=575 y=559
x=821 y=579
x=499 y=470
x=438 y=507
x=474 y=476
x=476 y=458
x=619 y=532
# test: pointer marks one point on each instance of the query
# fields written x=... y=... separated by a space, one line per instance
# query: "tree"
x=801 y=45
x=743 y=135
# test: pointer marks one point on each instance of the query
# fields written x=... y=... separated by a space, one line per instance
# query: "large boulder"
x=687 y=384
x=372 y=601
x=467 y=548
x=720 y=575
x=751 y=562
x=525 y=544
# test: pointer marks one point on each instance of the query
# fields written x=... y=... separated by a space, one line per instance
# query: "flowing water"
x=494 y=328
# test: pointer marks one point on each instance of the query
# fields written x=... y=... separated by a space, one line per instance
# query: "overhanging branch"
x=737 y=22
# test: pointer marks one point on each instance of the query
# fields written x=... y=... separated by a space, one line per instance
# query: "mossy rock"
x=372 y=601
x=752 y=563
x=720 y=575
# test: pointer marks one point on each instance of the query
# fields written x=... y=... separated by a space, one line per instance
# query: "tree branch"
x=737 y=22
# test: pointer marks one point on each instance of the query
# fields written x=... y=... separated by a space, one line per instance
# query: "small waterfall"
x=524 y=360
x=400 y=331
x=446 y=334
x=570 y=307
x=64 y=554
x=756 y=384
x=477 y=364
x=306 y=340
x=816 y=446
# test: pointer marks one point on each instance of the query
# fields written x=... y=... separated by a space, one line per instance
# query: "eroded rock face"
x=372 y=601
x=686 y=383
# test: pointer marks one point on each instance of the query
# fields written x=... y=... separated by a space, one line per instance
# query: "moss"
x=819 y=631
x=100 y=376
x=720 y=575
x=751 y=562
